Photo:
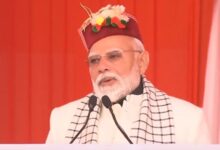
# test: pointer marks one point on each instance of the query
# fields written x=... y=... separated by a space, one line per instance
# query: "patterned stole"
x=154 y=125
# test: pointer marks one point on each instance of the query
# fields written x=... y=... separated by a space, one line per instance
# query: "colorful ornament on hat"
x=114 y=22
x=113 y=16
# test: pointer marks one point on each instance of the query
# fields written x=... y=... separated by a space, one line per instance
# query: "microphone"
x=107 y=103
x=91 y=104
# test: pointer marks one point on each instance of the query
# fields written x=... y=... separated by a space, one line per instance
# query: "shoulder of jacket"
x=185 y=111
x=183 y=105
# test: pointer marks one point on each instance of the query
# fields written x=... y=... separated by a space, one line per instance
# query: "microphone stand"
x=107 y=103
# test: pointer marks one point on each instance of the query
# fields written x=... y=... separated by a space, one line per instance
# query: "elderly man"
x=117 y=63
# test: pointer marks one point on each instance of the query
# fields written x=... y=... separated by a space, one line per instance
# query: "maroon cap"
x=91 y=33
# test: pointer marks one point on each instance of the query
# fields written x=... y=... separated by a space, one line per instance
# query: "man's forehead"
x=104 y=51
x=111 y=43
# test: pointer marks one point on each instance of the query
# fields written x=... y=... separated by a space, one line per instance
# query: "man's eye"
x=93 y=61
x=114 y=56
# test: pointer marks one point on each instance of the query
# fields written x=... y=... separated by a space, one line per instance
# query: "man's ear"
x=143 y=61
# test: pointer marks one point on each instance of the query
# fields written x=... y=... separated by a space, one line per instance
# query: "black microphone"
x=91 y=104
x=107 y=103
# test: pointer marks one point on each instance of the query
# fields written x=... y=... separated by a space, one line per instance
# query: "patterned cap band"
x=110 y=20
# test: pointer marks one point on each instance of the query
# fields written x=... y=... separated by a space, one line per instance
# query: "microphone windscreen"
x=106 y=101
x=92 y=102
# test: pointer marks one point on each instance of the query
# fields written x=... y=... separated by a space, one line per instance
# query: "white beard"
x=121 y=88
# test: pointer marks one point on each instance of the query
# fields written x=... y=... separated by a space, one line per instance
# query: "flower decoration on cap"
x=107 y=16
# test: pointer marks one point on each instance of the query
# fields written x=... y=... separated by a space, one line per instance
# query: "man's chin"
x=108 y=88
x=107 y=91
x=113 y=93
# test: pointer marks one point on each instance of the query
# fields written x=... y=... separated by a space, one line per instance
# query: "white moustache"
x=106 y=76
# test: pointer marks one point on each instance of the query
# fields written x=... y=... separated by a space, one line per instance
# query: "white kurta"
x=190 y=126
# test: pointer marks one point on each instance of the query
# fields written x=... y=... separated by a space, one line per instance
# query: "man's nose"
x=103 y=65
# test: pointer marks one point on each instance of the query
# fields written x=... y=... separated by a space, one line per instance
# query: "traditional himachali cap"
x=109 y=20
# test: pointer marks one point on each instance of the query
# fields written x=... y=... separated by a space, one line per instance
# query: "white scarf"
x=153 y=125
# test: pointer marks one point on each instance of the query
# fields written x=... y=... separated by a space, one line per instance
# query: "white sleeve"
x=189 y=122
x=50 y=137
x=202 y=134
x=60 y=119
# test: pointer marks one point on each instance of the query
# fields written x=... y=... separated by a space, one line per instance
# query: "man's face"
x=113 y=65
